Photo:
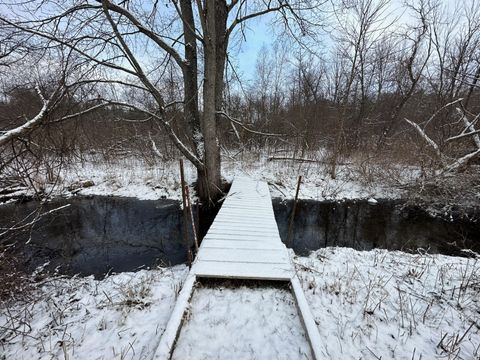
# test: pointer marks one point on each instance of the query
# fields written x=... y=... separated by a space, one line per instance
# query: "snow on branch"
x=439 y=110
x=468 y=131
x=47 y=106
x=470 y=127
x=80 y=113
x=464 y=135
x=31 y=124
x=462 y=161
x=424 y=135
x=154 y=147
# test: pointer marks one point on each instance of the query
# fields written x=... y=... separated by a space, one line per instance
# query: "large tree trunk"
x=210 y=178
x=221 y=55
x=191 y=113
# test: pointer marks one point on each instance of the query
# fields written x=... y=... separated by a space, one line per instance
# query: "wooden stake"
x=197 y=217
x=185 y=214
x=192 y=220
x=292 y=217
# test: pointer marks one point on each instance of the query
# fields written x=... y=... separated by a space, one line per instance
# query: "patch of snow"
x=367 y=304
x=120 y=317
x=135 y=178
x=242 y=323
x=129 y=178
x=392 y=305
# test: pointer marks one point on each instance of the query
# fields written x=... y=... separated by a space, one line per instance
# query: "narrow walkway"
x=242 y=243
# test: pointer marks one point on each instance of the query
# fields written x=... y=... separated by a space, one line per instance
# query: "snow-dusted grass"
x=120 y=317
x=367 y=304
x=392 y=305
x=350 y=181
x=127 y=177
x=226 y=322
x=135 y=178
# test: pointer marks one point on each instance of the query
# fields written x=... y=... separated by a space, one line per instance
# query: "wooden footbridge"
x=242 y=243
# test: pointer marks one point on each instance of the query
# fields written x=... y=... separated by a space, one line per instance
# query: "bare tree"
x=356 y=37
x=128 y=43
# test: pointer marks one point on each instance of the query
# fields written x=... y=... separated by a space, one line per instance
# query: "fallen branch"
x=464 y=135
x=274 y=158
x=469 y=126
x=462 y=161
x=458 y=163
x=425 y=137
x=439 y=110
x=239 y=123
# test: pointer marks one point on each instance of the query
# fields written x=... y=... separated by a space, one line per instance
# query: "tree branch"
x=68 y=44
x=33 y=123
x=143 y=29
x=239 y=20
x=170 y=132
x=238 y=122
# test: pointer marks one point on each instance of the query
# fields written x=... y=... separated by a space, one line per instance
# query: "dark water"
x=98 y=234
x=389 y=224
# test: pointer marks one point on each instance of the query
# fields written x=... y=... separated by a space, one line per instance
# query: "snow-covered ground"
x=120 y=317
x=228 y=322
x=367 y=304
x=135 y=178
x=381 y=304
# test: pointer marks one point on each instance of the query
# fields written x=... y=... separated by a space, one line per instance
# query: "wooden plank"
x=239 y=228
x=225 y=221
x=240 y=237
x=166 y=344
x=307 y=318
x=244 y=214
x=255 y=232
x=258 y=230
x=247 y=233
x=240 y=270
x=245 y=221
x=244 y=255
x=247 y=210
x=238 y=204
x=242 y=244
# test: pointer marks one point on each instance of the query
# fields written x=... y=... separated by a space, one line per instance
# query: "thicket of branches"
x=366 y=79
x=406 y=89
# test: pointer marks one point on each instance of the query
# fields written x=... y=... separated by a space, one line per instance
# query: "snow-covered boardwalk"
x=242 y=243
